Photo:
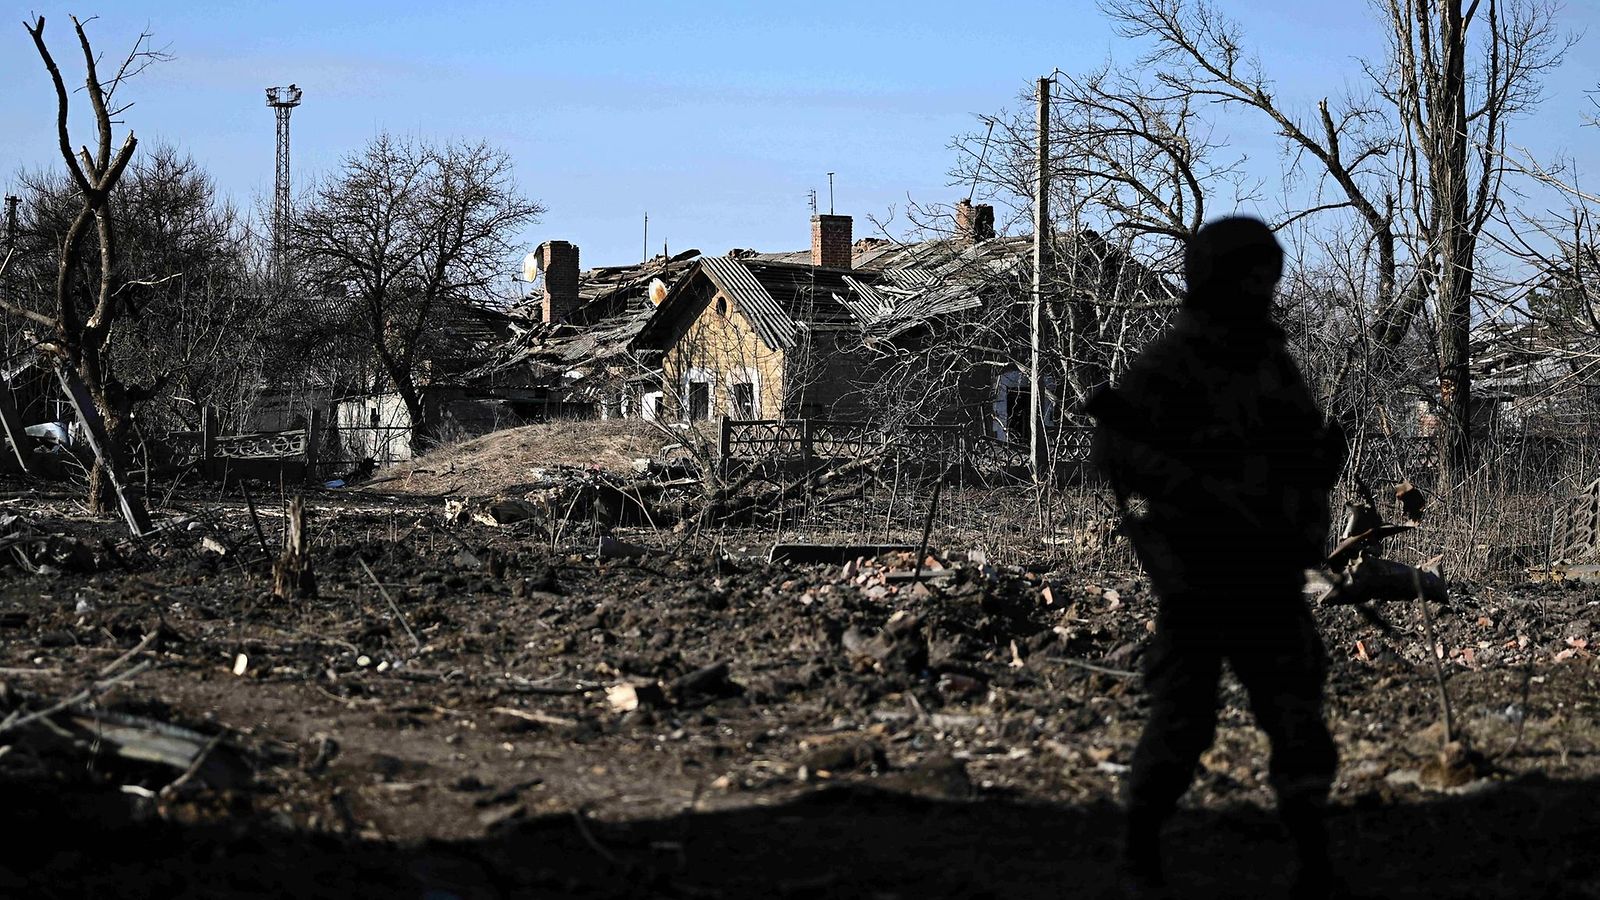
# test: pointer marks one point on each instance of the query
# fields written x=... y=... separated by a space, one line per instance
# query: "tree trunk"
x=112 y=402
x=1453 y=242
x=422 y=424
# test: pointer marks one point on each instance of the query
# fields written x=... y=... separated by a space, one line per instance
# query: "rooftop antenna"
x=283 y=100
x=646 y=238
x=830 y=193
x=811 y=197
x=978 y=171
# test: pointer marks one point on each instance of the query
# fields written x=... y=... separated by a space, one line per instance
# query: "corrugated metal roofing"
x=908 y=278
x=864 y=301
x=771 y=322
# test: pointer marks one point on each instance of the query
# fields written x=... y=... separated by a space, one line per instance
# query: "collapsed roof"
x=891 y=289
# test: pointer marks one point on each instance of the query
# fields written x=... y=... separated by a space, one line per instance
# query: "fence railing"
x=1517 y=460
x=817 y=440
x=1379 y=457
x=292 y=453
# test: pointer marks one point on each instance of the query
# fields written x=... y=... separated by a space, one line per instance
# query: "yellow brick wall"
x=722 y=343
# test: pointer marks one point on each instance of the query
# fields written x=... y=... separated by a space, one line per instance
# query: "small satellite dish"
x=531 y=266
x=658 y=291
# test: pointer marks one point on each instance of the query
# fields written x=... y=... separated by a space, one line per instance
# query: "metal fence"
x=815 y=441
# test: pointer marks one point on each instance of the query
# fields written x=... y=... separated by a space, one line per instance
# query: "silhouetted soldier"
x=1214 y=428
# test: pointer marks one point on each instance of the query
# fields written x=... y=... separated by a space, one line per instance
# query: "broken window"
x=1018 y=405
x=743 y=397
x=650 y=406
x=699 y=401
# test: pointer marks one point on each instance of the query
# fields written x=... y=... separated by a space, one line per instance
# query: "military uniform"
x=1214 y=428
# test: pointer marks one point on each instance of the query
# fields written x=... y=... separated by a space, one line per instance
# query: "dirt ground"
x=499 y=462
x=504 y=720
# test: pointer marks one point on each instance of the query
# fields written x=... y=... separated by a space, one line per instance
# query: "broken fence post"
x=723 y=443
x=291 y=573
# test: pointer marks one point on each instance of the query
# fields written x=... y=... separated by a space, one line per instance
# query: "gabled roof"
x=780 y=299
x=771 y=322
x=893 y=289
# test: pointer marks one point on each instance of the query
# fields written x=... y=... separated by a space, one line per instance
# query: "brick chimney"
x=559 y=260
x=974 y=223
x=830 y=241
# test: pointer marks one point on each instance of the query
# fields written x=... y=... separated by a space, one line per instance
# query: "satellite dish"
x=531 y=264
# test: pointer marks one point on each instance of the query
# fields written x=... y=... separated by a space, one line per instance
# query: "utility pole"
x=10 y=245
x=1041 y=224
x=6 y=252
x=11 y=220
x=283 y=101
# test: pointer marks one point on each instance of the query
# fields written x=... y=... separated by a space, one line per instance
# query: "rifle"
x=1142 y=442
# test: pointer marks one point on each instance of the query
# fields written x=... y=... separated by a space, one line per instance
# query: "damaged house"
x=572 y=352
x=934 y=331
x=376 y=424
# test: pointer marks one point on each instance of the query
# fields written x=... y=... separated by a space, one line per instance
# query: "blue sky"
x=715 y=118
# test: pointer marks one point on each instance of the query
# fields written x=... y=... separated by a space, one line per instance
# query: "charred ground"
x=783 y=730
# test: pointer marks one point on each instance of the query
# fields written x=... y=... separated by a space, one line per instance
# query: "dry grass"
x=1497 y=524
x=500 y=462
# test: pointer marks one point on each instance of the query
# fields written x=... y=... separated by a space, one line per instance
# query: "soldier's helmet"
x=1231 y=265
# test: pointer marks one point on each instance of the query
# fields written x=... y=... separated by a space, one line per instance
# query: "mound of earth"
x=501 y=461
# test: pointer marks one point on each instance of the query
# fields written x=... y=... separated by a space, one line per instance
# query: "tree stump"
x=292 y=577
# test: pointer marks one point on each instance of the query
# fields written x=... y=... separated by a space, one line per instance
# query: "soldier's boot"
x=1314 y=878
x=1140 y=872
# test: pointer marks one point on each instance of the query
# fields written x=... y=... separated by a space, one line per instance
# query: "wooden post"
x=724 y=441
x=133 y=511
x=208 y=440
x=313 y=438
x=292 y=576
x=1041 y=225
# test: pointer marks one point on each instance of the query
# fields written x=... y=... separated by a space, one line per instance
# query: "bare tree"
x=79 y=321
x=413 y=235
x=1132 y=168
x=1418 y=160
x=194 y=320
x=1130 y=159
x=197 y=314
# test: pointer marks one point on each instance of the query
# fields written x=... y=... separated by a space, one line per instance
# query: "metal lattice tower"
x=283 y=101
